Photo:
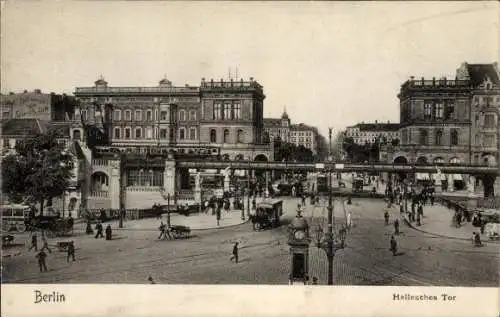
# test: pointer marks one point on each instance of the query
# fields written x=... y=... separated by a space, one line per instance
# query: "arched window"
x=77 y=135
x=439 y=136
x=454 y=137
x=192 y=133
x=182 y=115
x=226 y=136
x=213 y=136
x=182 y=133
x=423 y=137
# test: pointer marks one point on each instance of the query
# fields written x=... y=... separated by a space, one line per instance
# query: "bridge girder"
x=347 y=168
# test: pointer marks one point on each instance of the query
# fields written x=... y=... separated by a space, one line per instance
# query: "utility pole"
x=329 y=234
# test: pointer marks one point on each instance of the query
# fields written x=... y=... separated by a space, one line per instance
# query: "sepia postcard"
x=250 y=158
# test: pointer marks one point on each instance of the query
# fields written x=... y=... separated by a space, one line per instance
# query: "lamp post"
x=248 y=194
x=329 y=241
x=329 y=234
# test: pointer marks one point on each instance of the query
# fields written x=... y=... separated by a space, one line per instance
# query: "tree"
x=39 y=170
x=285 y=151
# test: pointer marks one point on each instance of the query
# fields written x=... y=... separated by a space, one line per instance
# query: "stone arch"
x=401 y=160
x=422 y=160
x=260 y=158
x=239 y=157
x=225 y=157
x=455 y=160
x=99 y=181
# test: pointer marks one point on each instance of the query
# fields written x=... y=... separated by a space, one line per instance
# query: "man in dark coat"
x=34 y=242
x=41 y=261
x=386 y=217
x=394 y=246
x=98 y=227
x=218 y=215
x=396 y=226
x=70 y=251
x=235 y=253
x=108 y=232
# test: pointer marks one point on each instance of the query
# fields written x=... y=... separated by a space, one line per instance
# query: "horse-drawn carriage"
x=490 y=219
x=267 y=214
x=53 y=225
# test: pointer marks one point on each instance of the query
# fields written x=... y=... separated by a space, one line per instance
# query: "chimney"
x=376 y=121
x=38 y=91
x=388 y=121
x=251 y=78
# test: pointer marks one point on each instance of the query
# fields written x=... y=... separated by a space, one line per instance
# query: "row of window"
x=438 y=137
x=300 y=139
x=489 y=120
x=225 y=136
x=301 y=133
x=183 y=115
x=144 y=177
x=230 y=111
x=150 y=133
x=150 y=115
x=487 y=140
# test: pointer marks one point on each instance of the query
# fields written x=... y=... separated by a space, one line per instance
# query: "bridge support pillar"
x=450 y=183
x=496 y=187
x=197 y=188
x=169 y=178
x=114 y=184
x=226 y=182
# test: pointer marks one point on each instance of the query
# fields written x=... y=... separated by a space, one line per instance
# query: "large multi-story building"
x=227 y=115
x=298 y=134
x=485 y=105
x=449 y=120
x=362 y=133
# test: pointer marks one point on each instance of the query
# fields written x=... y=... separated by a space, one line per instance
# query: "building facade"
x=218 y=114
x=298 y=134
x=485 y=105
x=362 y=133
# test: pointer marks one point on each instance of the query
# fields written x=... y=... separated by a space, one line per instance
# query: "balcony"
x=100 y=162
x=99 y=194
x=135 y=90
x=144 y=189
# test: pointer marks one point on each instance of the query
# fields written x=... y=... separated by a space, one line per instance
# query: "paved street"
x=133 y=255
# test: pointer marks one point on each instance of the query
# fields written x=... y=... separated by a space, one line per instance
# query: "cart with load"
x=180 y=232
x=267 y=214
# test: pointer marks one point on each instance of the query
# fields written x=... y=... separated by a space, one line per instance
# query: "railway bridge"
x=129 y=180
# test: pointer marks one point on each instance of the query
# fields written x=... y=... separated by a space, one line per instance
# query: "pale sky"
x=331 y=64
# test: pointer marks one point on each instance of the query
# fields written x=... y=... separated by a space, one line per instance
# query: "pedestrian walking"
x=396 y=226
x=235 y=253
x=315 y=280
x=89 y=230
x=393 y=246
x=98 y=227
x=41 y=261
x=218 y=216
x=432 y=199
x=420 y=209
x=418 y=220
x=34 y=242
x=45 y=245
x=303 y=197
x=401 y=207
x=70 y=252
x=476 y=240
x=386 y=217
x=108 y=232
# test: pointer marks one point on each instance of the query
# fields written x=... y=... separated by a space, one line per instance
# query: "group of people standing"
x=41 y=255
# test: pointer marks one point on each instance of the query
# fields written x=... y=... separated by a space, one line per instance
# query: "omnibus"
x=13 y=217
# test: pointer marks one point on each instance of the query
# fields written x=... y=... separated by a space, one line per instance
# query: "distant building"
x=362 y=133
x=298 y=134
x=37 y=105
